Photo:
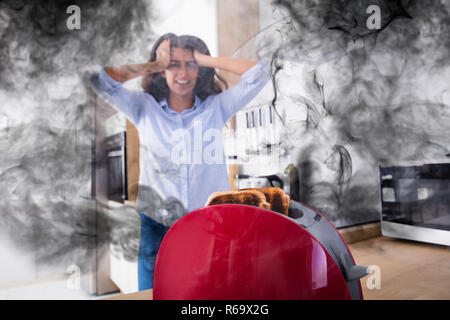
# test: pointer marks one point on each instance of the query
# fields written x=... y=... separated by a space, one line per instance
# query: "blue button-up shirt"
x=181 y=156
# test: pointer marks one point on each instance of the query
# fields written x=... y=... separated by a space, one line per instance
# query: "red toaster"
x=243 y=252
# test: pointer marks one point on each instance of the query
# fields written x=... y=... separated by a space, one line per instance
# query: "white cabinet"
x=124 y=273
x=123 y=247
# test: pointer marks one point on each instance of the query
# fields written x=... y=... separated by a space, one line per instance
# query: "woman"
x=181 y=109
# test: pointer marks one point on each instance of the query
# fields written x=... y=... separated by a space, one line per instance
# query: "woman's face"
x=182 y=72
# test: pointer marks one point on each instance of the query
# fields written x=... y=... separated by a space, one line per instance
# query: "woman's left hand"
x=200 y=58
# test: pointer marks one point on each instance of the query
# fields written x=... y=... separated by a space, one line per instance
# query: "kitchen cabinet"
x=123 y=263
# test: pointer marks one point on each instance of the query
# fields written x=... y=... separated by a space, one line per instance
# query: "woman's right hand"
x=163 y=54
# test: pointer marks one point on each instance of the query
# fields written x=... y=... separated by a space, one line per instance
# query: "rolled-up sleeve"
x=129 y=102
x=252 y=82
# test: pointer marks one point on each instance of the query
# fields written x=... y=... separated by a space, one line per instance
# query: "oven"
x=115 y=149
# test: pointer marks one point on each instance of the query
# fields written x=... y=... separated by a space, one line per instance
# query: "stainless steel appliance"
x=287 y=180
x=415 y=202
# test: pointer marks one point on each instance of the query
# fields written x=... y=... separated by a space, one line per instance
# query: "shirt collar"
x=165 y=106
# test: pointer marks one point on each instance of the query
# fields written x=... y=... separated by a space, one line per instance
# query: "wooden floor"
x=408 y=269
x=140 y=295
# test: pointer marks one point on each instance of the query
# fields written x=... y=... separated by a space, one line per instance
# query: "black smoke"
x=47 y=124
x=368 y=96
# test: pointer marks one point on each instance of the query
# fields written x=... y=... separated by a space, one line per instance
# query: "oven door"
x=116 y=168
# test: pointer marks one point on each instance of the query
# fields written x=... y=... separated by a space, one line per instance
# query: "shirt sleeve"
x=129 y=102
x=252 y=82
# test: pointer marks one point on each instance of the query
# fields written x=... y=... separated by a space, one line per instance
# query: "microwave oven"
x=415 y=202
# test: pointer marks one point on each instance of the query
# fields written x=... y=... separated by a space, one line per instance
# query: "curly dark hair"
x=208 y=81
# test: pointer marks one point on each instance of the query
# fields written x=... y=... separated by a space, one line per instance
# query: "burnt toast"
x=250 y=197
x=278 y=199
x=269 y=198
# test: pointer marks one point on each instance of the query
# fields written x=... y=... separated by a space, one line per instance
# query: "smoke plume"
x=47 y=123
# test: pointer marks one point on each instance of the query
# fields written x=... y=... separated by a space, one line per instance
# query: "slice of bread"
x=250 y=197
x=278 y=199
